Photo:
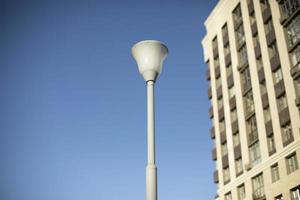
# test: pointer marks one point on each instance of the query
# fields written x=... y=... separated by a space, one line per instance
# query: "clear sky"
x=73 y=106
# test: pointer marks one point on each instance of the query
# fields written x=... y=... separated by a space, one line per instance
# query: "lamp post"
x=149 y=55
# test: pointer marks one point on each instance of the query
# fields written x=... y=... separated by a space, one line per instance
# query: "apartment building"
x=252 y=51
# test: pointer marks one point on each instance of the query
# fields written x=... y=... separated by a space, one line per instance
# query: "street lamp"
x=149 y=55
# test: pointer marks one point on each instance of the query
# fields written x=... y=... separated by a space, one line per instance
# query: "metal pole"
x=151 y=171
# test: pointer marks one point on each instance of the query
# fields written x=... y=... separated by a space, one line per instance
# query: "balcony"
x=225 y=39
x=284 y=116
x=242 y=65
x=295 y=71
x=225 y=162
x=249 y=111
x=235 y=127
x=211 y=112
x=250 y=7
x=216 y=176
x=223 y=136
x=237 y=22
x=227 y=59
x=246 y=88
x=269 y=128
x=275 y=62
x=232 y=103
x=217 y=71
x=212 y=133
x=266 y=15
x=214 y=154
x=219 y=92
x=259 y=194
x=208 y=74
x=252 y=137
x=265 y=100
x=209 y=92
x=215 y=51
x=261 y=75
x=237 y=152
x=297 y=101
x=230 y=81
x=254 y=29
x=221 y=114
x=271 y=37
x=279 y=89
x=289 y=14
x=257 y=51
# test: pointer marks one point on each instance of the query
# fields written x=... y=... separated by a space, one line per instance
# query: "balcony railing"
x=259 y=194
x=295 y=71
x=253 y=137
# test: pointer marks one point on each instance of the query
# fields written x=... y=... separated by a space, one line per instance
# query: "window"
x=271 y=144
x=254 y=151
x=248 y=103
x=228 y=196
x=275 y=173
x=243 y=57
x=231 y=92
x=287 y=134
x=238 y=166
x=224 y=149
x=258 y=187
x=256 y=41
x=293 y=31
x=241 y=192
x=237 y=14
x=220 y=103
x=264 y=4
x=226 y=175
x=291 y=163
x=218 y=82
x=279 y=197
x=263 y=89
x=252 y=18
x=252 y=130
x=246 y=79
x=288 y=7
x=226 y=50
x=215 y=43
x=217 y=62
x=273 y=51
x=240 y=35
x=225 y=30
x=295 y=57
x=233 y=115
x=236 y=140
x=277 y=75
x=267 y=115
x=229 y=70
x=282 y=103
x=222 y=126
x=295 y=193
x=269 y=27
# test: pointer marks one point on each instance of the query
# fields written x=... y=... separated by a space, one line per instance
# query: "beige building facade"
x=252 y=50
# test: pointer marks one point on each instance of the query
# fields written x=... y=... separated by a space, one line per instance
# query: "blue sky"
x=73 y=106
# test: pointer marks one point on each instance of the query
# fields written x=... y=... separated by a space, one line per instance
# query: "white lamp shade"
x=149 y=55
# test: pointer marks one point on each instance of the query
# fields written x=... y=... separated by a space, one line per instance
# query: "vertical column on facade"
x=268 y=75
x=279 y=80
x=238 y=125
x=220 y=106
x=254 y=77
x=235 y=157
x=247 y=92
x=288 y=61
x=214 y=74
